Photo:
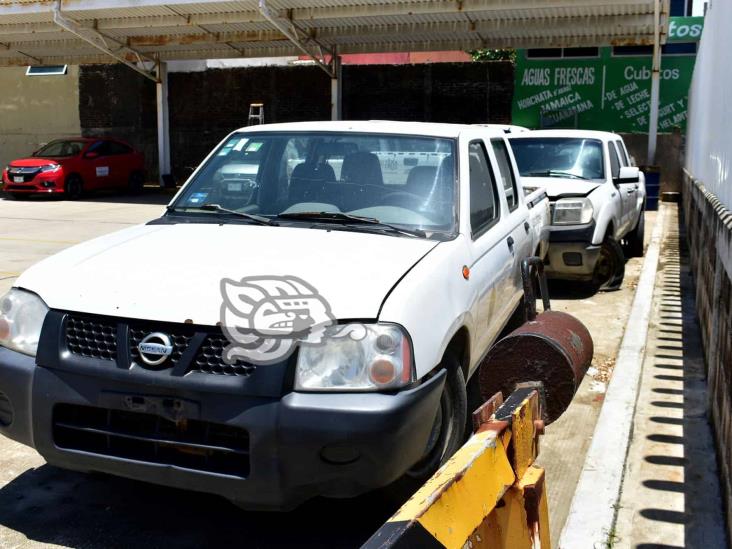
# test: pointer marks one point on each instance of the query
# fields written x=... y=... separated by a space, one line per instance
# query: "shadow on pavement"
x=686 y=459
x=55 y=506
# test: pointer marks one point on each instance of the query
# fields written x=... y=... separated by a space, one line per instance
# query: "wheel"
x=610 y=267
x=634 y=240
x=448 y=430
x=73 y=187
x=136 y=183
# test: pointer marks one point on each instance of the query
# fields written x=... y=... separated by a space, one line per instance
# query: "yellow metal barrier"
x=488 y=495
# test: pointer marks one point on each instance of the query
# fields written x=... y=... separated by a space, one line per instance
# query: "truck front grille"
x=210 y=360
x=96 y=337
x=148 y=438
x=91 y=337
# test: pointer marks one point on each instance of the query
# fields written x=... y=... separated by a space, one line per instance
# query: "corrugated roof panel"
x=173 y=28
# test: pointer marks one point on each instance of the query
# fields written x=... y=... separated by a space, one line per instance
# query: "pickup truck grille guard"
x=189 y=444
x=195 y=348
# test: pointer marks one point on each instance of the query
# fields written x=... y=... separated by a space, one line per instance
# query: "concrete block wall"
x=118 y=102
x=206 y=105
x=669 y=156
x=709 y=229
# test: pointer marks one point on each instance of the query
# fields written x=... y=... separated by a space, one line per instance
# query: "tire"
x=610 y=267
x=635 y=240
x=73 y=188
x=136 y=183
x=448 y=430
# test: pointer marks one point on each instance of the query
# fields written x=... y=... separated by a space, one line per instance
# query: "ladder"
x=256 y=114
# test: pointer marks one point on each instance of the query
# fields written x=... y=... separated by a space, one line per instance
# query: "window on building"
x=581 y=52
x=679 y=49
x=632 y=50
x=560 y=53
x=48 y=70
x=543 y=53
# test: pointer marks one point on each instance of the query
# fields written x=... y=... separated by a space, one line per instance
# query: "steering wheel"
x=404 y=199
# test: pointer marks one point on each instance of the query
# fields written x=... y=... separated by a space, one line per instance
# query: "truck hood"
x=173 y=273
x=556 y=187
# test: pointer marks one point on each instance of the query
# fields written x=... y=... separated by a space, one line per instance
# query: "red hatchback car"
x=73 y=166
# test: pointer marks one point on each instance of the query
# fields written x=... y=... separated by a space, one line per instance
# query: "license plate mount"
x=170 y=407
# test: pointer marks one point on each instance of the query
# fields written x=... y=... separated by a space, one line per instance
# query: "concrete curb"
x=592 y=513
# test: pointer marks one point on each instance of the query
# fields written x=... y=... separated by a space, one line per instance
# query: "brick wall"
x=205 y=106
x=709 y=229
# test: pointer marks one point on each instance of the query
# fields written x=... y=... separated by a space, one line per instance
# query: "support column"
x=161 y=95
x=655 y=85
x=336 y=89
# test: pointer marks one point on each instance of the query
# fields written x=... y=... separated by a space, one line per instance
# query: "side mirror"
x=628 y=174
x=91 y=155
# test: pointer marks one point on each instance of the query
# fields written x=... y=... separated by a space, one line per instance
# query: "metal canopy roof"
x=135 y=30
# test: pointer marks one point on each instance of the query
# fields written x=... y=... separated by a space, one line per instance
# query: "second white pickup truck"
x=305 y=319
x=597 y=201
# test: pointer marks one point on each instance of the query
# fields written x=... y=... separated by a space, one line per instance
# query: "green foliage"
x=494 y=55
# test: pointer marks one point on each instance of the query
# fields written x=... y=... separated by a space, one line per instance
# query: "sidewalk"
x=670 y=495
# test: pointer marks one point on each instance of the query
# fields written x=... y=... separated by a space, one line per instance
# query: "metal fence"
x=709 y=129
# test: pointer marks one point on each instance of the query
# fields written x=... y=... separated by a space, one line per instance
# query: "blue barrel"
x=653 y=186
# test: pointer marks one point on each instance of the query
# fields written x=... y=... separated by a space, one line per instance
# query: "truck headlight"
x=21 y=319
x=572 y=211
x=381 y=360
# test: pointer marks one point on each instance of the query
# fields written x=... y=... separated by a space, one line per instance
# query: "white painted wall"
x=709 y=129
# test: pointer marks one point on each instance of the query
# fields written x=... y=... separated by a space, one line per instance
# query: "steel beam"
x=161 y=98
x=336 y=89
x=100 y=42
x=306 y=45
x=655 y=85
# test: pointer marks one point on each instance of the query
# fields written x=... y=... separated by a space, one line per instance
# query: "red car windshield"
x=60 y=148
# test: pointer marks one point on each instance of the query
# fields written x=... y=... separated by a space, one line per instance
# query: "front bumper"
x=571 y=253
x=298 y=446
x=42 y=183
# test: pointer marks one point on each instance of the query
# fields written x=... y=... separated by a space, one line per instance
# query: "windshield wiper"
x=556 y=173
x=350 y=219
x=220 y=209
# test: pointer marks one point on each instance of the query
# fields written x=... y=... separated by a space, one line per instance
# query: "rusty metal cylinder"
x=554 y=348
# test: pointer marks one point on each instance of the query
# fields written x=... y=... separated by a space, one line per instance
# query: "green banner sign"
x=608 y=92
x=685 y=29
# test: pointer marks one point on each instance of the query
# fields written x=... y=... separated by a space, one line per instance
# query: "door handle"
x=527 y=227
x=631 y=191
x=510 y=241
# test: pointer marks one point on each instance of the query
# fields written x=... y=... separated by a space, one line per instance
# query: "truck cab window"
x=614 y=161
x=483 y=194
x=505 y=171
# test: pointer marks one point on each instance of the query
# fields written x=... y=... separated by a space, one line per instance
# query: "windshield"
x=559 y=157
x=60 y=148
x=398 y=180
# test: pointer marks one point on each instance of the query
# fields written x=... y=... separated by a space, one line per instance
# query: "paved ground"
x=44 y=506
x=670 y=497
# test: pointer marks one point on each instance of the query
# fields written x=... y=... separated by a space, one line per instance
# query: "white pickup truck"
x=597 y=201
x=305 y=319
